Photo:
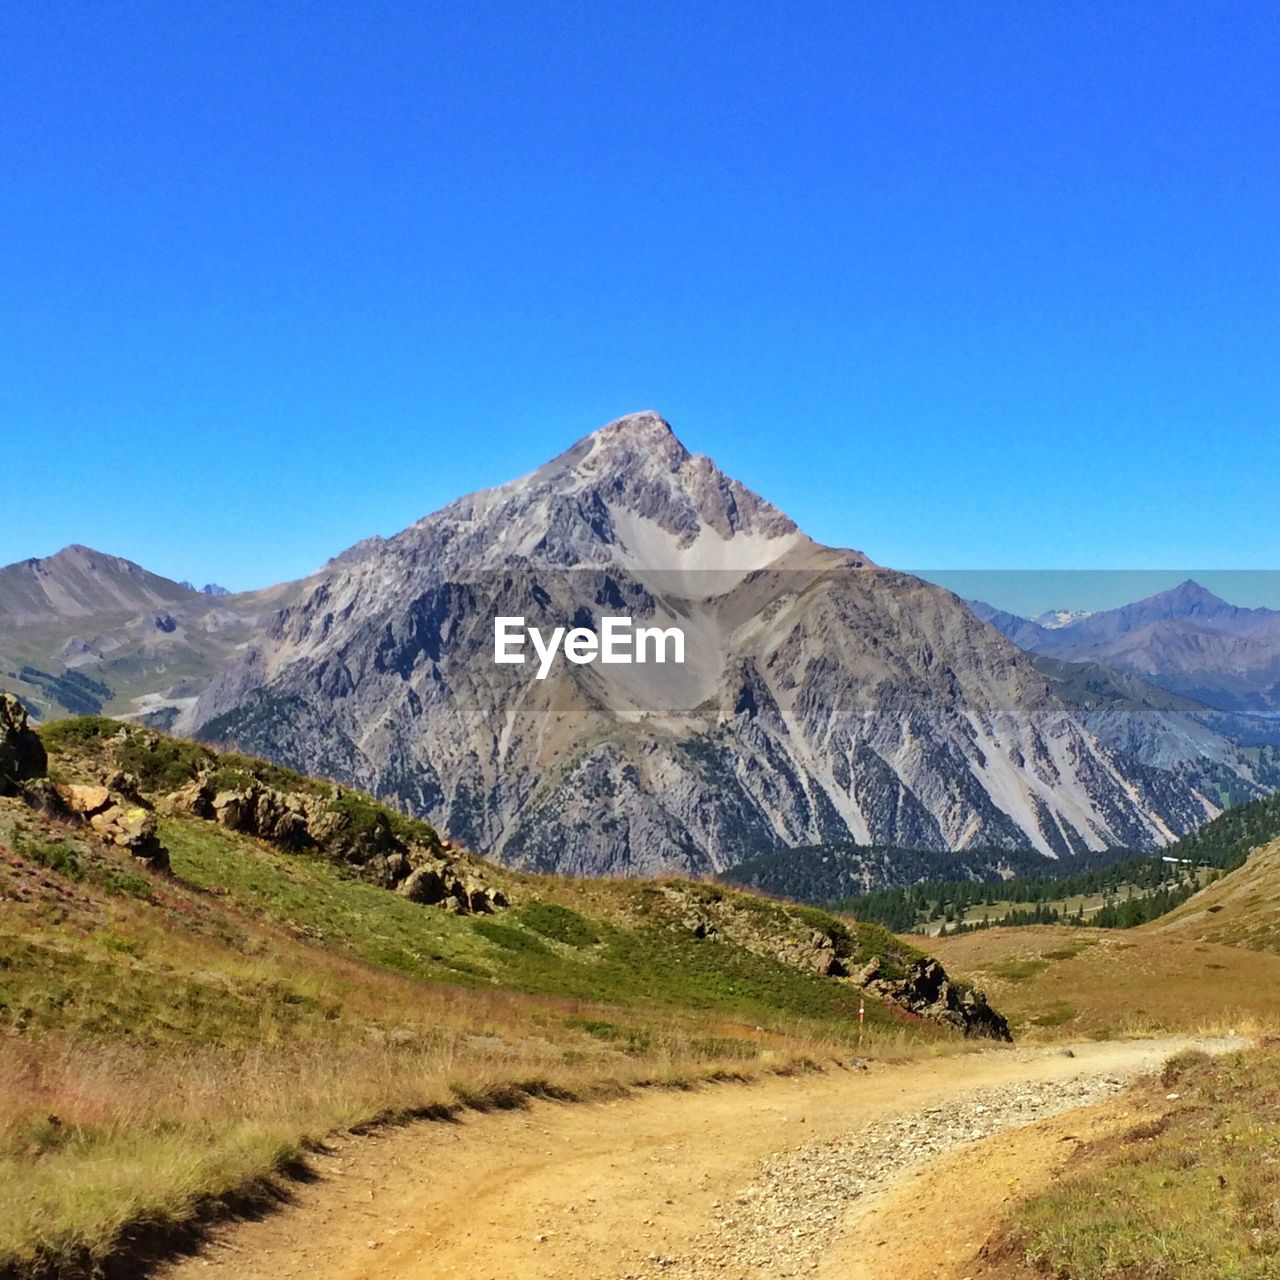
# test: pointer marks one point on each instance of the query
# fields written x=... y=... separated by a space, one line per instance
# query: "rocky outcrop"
x=22 y=755
x=817 y=952
x=440 y=884
x=119 y=820
x=112 y=809
x=285 y=820
x=367 y=843
x=926 y=990
x=863 y=955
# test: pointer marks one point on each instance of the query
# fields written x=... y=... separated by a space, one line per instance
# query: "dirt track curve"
x=895 y=1172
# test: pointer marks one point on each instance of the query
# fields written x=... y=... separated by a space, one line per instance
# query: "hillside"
x=1212 y=962
x=209 y=962
x=841 y=871
x=1185 y=1185
x=916 y=891
x=79 y=583
x=1241 y=910
x=83 y=632
x=1229 y=756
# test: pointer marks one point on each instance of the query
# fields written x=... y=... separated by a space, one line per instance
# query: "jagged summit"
x=646 y=425
x=628 y=494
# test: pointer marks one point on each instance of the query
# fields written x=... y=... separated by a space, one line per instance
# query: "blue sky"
x=979 y=286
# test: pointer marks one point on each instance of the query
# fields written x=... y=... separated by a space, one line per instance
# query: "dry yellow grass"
x=95 y=1138
x=1210 y=966
x=1192 y=1190
x=165 y=1042
x=1240 y=910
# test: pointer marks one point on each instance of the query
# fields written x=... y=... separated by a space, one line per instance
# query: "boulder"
x=22 y=754
x=478 y=898
x=196 y=798
x=127 y=785
x=266 y=813
x=131 y=827
x=699 y=925
x=85 y=800
x=438 y=884
x=817 y=952
x=424 y=885
x=926 y=990
x=42 y=795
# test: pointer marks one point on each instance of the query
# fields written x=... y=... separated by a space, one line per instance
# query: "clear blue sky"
x=969 y=286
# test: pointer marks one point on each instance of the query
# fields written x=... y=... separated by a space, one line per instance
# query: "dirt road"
x=810 y=1175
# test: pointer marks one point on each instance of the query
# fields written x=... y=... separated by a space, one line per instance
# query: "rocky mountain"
x=83 y=632
x=1185 y=640
x=823 y=697
x=1229 y=757
x=1054 y=618
x=79 y=582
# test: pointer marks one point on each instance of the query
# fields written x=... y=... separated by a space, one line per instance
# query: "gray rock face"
x=822 y=696
x=1212 y=750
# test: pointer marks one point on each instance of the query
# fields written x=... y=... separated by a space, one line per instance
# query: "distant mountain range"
x=1186 y=640
x=824 y=699
x=82 y=631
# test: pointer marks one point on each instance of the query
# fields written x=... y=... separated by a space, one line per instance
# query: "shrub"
x=558 y=923
x=77 y=730
x=509 y=939
x=162 y=764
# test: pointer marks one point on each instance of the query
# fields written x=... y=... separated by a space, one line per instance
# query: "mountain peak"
x=76 y=557
x=1189 y=588
x=629 y=493
x=645 y=438
x=1188 y=599
x=79 y=582
x=647 y=424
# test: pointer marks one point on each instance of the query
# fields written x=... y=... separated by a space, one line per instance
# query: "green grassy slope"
x=168 y=1040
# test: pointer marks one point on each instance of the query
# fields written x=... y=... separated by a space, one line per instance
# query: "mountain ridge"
x=81 y=582
x=1186 y=640
x=826 y=698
